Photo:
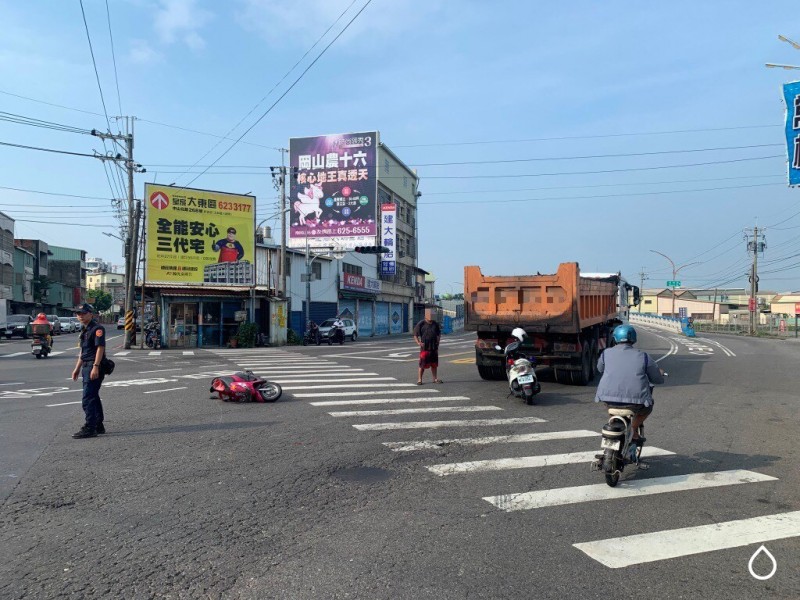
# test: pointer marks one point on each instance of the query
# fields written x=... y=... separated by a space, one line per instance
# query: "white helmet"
x=519 y=333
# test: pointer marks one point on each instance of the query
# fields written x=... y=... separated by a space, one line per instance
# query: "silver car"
x=55 y=322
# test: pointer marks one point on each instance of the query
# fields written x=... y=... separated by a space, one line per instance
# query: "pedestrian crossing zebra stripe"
x=620 y=552
x=528 y=462
x=389 y=401
x=408 y=411
x=331 y=380
x=440 y=424
x=123 y=353
x=496 y=439
x=328 y=376
x=625 y=489
x=415 y=390
x=347 y=386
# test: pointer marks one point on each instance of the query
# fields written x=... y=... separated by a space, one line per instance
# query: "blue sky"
x=546 y=80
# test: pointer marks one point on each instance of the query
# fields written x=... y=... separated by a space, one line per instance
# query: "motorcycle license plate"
x=525 y=379
x=610 y=444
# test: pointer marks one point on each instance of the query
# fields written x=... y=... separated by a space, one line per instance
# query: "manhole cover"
x=363 y=474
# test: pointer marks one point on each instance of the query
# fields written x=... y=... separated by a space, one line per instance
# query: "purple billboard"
x=334 y=189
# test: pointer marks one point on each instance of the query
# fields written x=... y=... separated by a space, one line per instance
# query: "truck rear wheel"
x=584 y=376
x=491 y=373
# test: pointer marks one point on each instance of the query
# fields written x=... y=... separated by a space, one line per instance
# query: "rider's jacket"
x=628 y=374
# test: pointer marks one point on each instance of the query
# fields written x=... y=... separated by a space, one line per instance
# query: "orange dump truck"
x=568 y=317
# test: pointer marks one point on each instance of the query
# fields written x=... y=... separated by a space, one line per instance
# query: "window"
x=288 y=266
x=405 y=181
x=351 y=269
x=386 y=165
x=384 y=197
x=648 y=301
x=316 y=270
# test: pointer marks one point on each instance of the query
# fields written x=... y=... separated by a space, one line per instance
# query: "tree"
x=101 y=300
x=41 y=285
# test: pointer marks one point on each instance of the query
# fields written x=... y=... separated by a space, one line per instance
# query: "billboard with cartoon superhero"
x=199 y=236
x=333 y=190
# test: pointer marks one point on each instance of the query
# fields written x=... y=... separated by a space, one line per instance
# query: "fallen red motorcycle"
x=244 y=386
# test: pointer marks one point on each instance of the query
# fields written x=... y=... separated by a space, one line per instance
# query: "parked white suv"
x=349 y=328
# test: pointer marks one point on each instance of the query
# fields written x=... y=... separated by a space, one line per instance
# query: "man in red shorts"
x=427 y=335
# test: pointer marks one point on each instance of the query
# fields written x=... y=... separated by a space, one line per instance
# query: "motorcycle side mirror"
x=498 y=347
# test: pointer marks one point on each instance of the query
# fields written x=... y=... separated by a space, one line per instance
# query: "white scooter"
x=522 y=380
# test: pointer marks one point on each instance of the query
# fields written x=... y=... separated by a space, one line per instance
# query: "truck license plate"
x=525 y=379
x=610 y=444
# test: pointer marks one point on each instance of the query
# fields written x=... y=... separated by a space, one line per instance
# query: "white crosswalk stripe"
x=389 y=401
x=408 y=411
x=415 y=390
x=155 y=353
x=188 y=352
x=13 y=354
x=123 y=353
x=440 y=424
x=333 y=380
x=527 y=462
x=348 y=386
x=674 y=543
x=625 y=489
x=496 y=439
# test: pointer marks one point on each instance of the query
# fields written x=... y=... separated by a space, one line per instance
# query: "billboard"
x=791 y=93
x=199 y=237
x=388 y=238
x=333 y=190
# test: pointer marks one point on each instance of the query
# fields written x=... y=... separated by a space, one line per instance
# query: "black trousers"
x=92 y=406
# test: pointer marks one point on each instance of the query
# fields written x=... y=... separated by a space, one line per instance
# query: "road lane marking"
x=390 y=401
x=323 y=375
x=154 y=353
x=408 y=411
x=725 y=349
x=13 y=354
x=188 y=352
x=438 y=424
x=630 y=550
x=167 y=390
x=160 y=370
x=348 y=386
x=63 y=404
x=495 y=439
x=626 y=489
x=20 y=382
x=312 y=367
x=527 y=462
x=369 y=393
x=123 y=353
x=333 y=380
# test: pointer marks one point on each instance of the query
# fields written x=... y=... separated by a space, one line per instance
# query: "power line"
x=599 y=196
x=250 y=112
x=584 y=137
x=591 y=156
x=66 y=224
x=113 y=57
x=23 y=120
x=599 y=185
x=46 y=149
x=53 y=193
x=289 y=89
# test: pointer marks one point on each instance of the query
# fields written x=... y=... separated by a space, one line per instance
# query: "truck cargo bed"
x=560 y=303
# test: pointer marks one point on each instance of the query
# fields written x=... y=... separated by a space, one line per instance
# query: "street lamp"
x=675 y=271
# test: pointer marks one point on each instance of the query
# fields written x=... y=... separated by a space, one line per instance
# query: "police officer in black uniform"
x=93 y=346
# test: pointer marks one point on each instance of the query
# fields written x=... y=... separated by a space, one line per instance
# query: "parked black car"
x=18 y=325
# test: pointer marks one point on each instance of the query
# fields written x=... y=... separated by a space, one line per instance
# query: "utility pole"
x=132 y=234
x=756 y=245
x=675 y=271
x=283 y=222
x=642 y=278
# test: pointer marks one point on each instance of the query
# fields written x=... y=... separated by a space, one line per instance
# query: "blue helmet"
x=624 y=333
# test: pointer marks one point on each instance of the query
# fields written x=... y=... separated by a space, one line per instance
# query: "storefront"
x=198 y=319
x=358 y=300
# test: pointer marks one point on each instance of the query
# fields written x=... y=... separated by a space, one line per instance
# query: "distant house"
x=784 y=304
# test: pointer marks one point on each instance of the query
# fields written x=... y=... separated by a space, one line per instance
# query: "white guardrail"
x=667 y=323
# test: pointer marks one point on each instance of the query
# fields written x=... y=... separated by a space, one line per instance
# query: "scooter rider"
x=41 y=327
x=338 y=324
x=628 y=377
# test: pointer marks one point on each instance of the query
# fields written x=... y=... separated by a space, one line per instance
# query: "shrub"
x=247 y=334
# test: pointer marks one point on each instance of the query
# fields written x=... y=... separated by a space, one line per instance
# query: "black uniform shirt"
x=92 y=336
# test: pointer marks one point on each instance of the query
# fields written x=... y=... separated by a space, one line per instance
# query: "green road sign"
x=673 y=284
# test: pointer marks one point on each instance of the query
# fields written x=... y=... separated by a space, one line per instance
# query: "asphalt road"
x=189 y=497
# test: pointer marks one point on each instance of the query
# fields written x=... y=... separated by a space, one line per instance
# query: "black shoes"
x=100 y=428
x=85 y=432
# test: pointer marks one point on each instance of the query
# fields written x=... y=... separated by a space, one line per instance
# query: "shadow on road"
x=192 y=428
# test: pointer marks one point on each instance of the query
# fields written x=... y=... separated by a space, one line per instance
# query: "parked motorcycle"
x=152 y=335
x=335 y=335
x=522 y=380
x=617 y=445
x=244 y=386
x=41 y=346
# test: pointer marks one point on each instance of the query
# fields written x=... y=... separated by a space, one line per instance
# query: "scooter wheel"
x=270 y=391
x=609 y=466
x=38 y=355
x=305 y=342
